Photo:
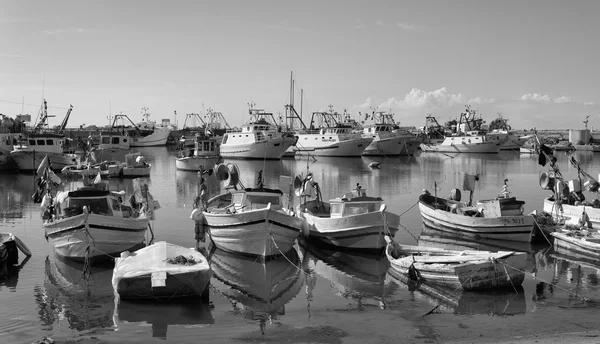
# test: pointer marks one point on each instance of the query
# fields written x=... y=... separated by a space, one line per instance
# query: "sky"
x=535 y=61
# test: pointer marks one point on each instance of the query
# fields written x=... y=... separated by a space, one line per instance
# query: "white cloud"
x=417 y=98
x=481 y=100
x=589 y=103
x=380 y=23
x=563 y=100
x=360 y=26
x=410 y=27
x=536 y=97
x=366 y=105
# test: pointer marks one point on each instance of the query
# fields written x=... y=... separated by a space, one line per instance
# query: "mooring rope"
x=541 y=230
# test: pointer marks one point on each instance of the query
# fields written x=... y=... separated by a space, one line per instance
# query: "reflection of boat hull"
x=160 y=315
x=158 y=138
x=511 y=228
x=363 y=231
x=385 y=146
x=264 y=232
x=507 y=301
x=134 y=274
x=196 y=163
x=7 y=163
x=270 y=149
x=105 y=154
x=108 y=236
x=264 y=286
x=29 y=161
x=587 y=247
x=347 y=148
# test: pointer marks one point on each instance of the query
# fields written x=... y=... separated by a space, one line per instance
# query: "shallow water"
x=313 y=294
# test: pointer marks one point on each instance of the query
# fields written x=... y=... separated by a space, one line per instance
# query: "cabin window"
x=262 y=199
x=32 y=142
x=41 y=142
x=212 y=146
x=115 y=140
x=224 y=139
x=106 y=140
x=49 y=142
x=336 y=209
x=237 y=198
x=359 y=208
x=206 y=146
x=96 y=206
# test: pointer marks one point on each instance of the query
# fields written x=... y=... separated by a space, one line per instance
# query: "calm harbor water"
x=338 y=295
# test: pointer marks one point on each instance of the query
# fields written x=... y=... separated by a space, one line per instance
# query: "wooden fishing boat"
x=250 y=220
x=161 y=270
x=468 y=270
x=354 y=221
x=581 y=242
x=501 y=218
x=204 y=154
x=93 y=222
x=135 y=166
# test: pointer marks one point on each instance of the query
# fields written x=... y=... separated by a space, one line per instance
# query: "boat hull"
x=264 y=232
x=348 y=148
x=272 y=149
x=135 y=172
x=30 y=161
x=477 y=273
x=586 y=247
x=158 y=138
x=510 y=228
x=133 y=273
x=572 y=212
x=411 y=146
x=480 y=147
x=385 y=146
x=363 y=232
x=514 y=142
x=196 y=163
x=107 y=154
x=7 y=163
x=108 y=236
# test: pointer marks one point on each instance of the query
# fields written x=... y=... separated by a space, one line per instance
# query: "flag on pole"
x=98 y=179
x=45 y=164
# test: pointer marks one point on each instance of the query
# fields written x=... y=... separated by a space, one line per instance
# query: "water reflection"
x=258 y=290
x=188 y=186
x=272 y=169
x=65 y=294
x=9 y=274
x=492 y=302
x=161 y=315
x=354 y=276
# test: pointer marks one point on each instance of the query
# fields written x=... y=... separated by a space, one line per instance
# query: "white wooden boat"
x=111 y=146
x=161 y=270
x=204 y=154
x=388 y=138
x=569 y=212
x=355 y=221
x=94 y=223
x=135 y=166
x=580 y=242
x=467 y=270
x=40 y=145
x=80 y=170
x=500 y=219
x=259 y=138
x=258 y=289
x=250 y=220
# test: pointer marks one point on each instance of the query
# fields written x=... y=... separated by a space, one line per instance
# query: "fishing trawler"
x=468 y=137
x=259 y=138
x=41 y=142
x=143 y=134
